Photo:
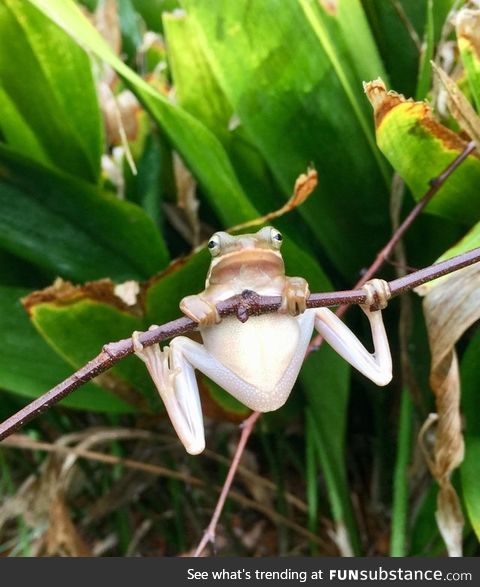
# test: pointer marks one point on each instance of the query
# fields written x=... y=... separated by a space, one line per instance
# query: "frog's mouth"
x=256 y=261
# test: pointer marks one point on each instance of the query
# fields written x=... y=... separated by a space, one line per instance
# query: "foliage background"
x=121 y=151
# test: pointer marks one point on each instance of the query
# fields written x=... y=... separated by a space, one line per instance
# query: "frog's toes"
x=378 y=293
x=295 y=295
x=200 y=310
x=137 y=345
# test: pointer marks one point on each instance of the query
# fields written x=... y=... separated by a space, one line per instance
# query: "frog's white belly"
x=266 y=352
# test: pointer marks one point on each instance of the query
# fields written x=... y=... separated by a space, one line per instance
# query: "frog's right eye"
x=214 y=245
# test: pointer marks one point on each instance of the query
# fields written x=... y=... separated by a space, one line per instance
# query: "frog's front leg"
x=376 y=366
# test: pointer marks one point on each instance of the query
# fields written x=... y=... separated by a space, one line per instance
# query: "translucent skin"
x=257 y=361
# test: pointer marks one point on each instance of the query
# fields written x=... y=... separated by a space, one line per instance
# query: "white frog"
x=257 y=361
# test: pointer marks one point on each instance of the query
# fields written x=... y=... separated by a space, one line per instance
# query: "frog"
x=256 y=361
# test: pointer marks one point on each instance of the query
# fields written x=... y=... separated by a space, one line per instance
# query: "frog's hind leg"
x=175 y=381
x=188 y=354
x=261 y=400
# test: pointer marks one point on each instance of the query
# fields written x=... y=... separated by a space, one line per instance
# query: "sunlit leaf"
x=420 y=148
x=199 y=148
x=298 y=104
x=50 y=89
x=64 y=315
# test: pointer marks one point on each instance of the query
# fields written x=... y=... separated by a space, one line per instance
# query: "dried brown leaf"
x=63 y=293
x=459 y=106
x=468 y=28
x=62 y=537
x=121 y=116
x=304 y=186
x=450 y=308
x=187 y=200
x=107 y=22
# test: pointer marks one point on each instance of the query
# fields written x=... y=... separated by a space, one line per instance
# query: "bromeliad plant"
x=110 y=167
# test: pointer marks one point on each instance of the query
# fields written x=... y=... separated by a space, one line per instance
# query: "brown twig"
x=435 y=184
x=209 y=534
x=244 y=305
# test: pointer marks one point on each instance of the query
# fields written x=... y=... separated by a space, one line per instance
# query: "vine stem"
x=244 y=305
x=435 y=184
x=209 y=535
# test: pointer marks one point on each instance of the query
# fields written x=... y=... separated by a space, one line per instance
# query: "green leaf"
x=151 y=11
x=227 y=402
x=196 y=88
x=29 y=367
x=350 y=36
x=470 y=241
x=72 y=228
x=467 y=24
x=77 y=322
x=325 y=380
x=399 y=532
x=396 y=41
x=298 y=104
x=48 y=86
x=425 y=69
x=470 y=468
x=185 y=277
x=199 y=148
x=420 y=148
x=198 y=92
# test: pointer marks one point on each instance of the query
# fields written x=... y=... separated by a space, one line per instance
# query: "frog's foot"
x=295 y=295
x=378 y=293
x=200 y=310
x=157 y=362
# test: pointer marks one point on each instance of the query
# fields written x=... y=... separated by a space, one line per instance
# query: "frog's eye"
x=277 y=238
x=214 y=245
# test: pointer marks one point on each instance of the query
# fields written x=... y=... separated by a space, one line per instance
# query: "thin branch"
x=244 y=305
x=407 y=23
x=209 y=535
x=435 y=184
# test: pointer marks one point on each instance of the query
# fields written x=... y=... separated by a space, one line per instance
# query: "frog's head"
x=259 y=252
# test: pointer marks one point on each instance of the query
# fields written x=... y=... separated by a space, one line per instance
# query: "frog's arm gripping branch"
x=243 y=306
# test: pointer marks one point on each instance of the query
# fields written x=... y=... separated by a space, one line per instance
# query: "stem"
x=209 y=534
x=435 y=184
x=244 y=305
x=400 y=480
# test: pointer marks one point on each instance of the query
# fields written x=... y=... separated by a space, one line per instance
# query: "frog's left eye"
x=214 y=245
x=277 y=238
